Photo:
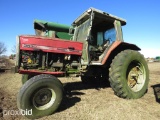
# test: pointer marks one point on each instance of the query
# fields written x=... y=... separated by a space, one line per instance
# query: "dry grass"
x=89 y=102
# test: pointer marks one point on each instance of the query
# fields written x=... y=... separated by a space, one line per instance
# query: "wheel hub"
x=133 y=77
x=136 y=76
x=44 y=98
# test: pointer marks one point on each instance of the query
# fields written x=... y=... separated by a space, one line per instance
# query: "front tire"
x=42 y=94
x=129 y=75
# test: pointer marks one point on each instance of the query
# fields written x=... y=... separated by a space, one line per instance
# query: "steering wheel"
x=106 y=43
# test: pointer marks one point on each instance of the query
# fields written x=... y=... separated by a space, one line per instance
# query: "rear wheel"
x=129 y=75
x=42 y=94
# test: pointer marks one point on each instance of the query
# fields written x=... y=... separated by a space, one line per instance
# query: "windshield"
x=82 y=32
x=110 y=35
x=107 y=35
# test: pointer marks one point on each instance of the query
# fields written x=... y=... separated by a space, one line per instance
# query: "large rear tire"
x=42 y=94
x=129 y=74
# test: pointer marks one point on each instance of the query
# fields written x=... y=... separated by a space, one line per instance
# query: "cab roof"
x=98 y=14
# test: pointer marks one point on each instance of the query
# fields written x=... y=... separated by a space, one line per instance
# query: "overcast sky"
x=16 y=18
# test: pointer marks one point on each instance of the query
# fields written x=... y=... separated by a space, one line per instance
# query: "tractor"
x=96 y=51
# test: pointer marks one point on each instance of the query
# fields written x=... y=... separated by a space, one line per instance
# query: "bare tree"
x=14 y=49
x=3 y=48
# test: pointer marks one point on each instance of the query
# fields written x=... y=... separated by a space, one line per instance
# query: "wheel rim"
x=136 y=76
x=44 y=98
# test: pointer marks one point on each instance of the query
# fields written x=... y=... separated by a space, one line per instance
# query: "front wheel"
x=42 y=95
x=129 y=74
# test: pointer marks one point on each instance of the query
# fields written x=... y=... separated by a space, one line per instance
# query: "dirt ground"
x=5 y=64
x=88 y=102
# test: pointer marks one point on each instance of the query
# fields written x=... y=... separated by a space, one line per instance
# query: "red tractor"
x=97 y=50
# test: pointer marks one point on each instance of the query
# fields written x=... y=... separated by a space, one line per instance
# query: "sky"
x=142 y=16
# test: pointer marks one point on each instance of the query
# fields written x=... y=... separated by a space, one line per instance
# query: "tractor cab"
x=98 y=31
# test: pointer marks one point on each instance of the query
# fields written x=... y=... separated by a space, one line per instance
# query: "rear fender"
x=116 y=48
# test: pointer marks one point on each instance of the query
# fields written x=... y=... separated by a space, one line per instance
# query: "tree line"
x=3 y=48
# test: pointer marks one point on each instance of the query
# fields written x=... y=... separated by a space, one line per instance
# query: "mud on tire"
x=129 y=74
